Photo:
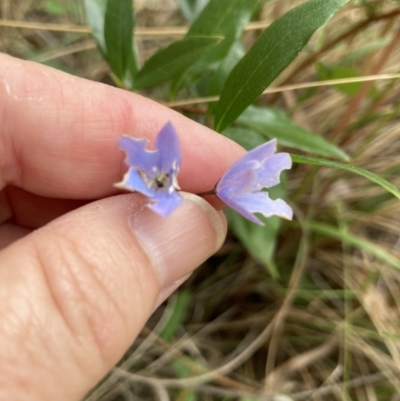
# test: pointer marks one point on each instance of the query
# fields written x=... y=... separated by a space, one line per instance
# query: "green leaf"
x=220 y=75
x=226 y=18
x=55 y=7
x=118 y=35
x=259 y=241
x=356 y=241
x=356 y=170
x=338 y=72
x=191 y=8
x=177 y=316
x=132 y=68
x=95 y=12
x=274 y=123
x=223 y=17
x=273 y=51
x=360 y=52
x=249 y=139
x=173 y=60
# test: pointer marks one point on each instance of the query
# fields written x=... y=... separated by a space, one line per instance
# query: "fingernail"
x=176 y=245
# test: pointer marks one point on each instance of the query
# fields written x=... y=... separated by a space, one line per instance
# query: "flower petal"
x=260 y=202
x=167 y=143
x=240 y=187
x=133 y=181
x=271 y=168
x=259 y=153
x=233 y=204
x=238 y=179
x=138 y=156
x=165 y=202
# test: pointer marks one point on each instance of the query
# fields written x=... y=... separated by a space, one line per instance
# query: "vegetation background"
x=302 y=310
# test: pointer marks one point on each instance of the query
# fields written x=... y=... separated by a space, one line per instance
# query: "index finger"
x=59 y=134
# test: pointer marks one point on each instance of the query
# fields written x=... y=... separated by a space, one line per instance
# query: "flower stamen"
x=161 y=180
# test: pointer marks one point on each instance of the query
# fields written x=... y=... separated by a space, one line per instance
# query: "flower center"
x=161 y=180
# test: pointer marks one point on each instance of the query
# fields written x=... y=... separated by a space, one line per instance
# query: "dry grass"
x=329 y=327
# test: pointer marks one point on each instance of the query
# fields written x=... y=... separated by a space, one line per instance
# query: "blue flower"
x=240 y=187
x=153 y=173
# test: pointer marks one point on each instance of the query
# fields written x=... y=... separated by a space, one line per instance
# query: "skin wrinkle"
x=26 y=327
x=16 y=322
x=121 y=248
x=59 y=299
x=54 y=297
x=98 y=277
x=19 y=294
x=79 y=342
x=63 y=301
x=20 y=383
x=93 y=307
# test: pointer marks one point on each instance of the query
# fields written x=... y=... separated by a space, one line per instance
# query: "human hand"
x=78 y=277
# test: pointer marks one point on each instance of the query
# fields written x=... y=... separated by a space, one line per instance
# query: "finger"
x=34 y=211
x=10 y=232
x=58 y=134
x=74 y=294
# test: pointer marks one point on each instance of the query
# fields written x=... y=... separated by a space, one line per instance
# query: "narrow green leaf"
x=273 y=51
x=275 y=123
x=55 y=7
x=247 y=138
x=177 y=316
x=132 y=68
x=356 y=241
x=191 y=8
x=118 y=35
x=360 y=52
x=226 y=18
x=259 y=241
x=356 y=170
x=220 y=74
x=173 y=60
x=222 y=17
x=95 y=12
x=183 y=368
x=326 y=72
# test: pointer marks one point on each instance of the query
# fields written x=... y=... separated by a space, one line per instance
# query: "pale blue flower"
x=241 y=186
x=153 y=173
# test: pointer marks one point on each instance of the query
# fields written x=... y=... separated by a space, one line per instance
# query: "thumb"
x=75 y=293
